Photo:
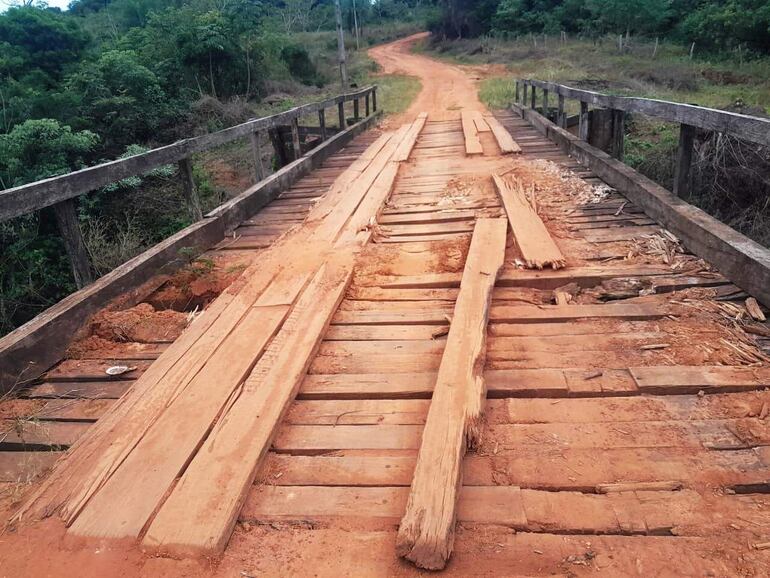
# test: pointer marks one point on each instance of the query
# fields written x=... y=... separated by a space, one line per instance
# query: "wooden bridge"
x=492 y=285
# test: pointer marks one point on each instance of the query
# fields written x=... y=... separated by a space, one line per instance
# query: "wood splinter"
x=426 y=533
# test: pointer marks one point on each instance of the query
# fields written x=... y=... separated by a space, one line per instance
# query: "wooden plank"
x=42 y=435
x=472 y=142
x=692 y=379
x=502 y=136
x=532 y=238
x=405 y=148
x=23 y=467
x=200 y=515
x=426 y=532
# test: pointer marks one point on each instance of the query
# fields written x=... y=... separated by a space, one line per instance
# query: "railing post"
x=367 y=104
x=341 y=111
x=188 y=187
x=561 y=117
x=355 y=109
x=256 y=151
x=682 y=171
x=295 y=138
x=322 y=123
x=526 y=89
x=618 y=133
x=583 y=127
x=518 y=93
x=69 y=229
x=545 y=103
x=374 y=99
x=533 y=98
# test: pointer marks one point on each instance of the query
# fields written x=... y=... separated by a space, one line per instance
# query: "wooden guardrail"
x=745 y=262
x=690 y=117
x=61 y=191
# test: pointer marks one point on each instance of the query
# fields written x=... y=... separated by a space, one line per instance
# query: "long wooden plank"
x=533 y=239
x=426 y=532
x=204 y=505
x=502 y=136
x=405 y=148
x=472 y=142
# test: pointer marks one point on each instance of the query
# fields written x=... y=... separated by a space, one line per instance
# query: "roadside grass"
x=731 y=178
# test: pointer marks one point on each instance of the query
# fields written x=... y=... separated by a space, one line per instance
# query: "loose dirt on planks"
x=641 y=384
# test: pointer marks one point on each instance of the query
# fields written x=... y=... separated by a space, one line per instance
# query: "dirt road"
x=446 y=90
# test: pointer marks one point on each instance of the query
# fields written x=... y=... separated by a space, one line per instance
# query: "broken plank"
x=502 y=136
x=532 y=238
x=426 y=532
x=472 y=142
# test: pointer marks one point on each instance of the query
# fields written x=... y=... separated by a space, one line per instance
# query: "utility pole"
x=341 y=46
x=355 y=23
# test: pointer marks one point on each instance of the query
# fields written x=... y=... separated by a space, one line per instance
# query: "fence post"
x=682 y=170
x=341 y=111
x=561 y=118
x=295 y=138
x=526 y=89
x=367 y=104
x=188 y=186
x=355 y=109
x=583 y=127
x=518 y=93
x=256 y=151
x=322 y=123
x=533 y=98
x=374 y=99
x=545 y=103
x=69 y=229
x=618 y=133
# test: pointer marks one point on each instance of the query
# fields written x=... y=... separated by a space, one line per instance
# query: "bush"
x=300 y=66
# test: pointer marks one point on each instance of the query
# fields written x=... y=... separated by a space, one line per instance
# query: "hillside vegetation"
x=111 y=78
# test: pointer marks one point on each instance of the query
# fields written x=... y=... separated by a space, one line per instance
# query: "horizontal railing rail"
x=750 y=128
x=24 y=199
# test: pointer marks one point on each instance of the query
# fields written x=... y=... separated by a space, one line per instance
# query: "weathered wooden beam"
x=545 y=103
x=750 y=128
x=518 y=92
x=683 y=168
x=526 y=88
x=618 y=134
x=561 y=117
x=355 y=109
x=295 y=143
x=322 y=123
x=190 y=191
x=256 y=152
x=454 y=422
x=533 y=100
x=341 y=115
x=69 y=229
x=367 y=105
x=583 y=128
x=34 y=196
x=374 y=98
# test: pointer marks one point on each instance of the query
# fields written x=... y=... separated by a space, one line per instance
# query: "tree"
x=40 y=39
x=120 y=98
x=38 y=149
x=626 y=16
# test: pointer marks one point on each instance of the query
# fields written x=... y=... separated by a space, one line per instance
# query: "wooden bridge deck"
x=626 y=421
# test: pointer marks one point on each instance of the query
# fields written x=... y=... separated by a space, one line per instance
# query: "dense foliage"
x=712 y=24
x=107 y=78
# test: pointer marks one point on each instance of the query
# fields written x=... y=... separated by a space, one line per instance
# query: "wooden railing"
x=61 y=191
x=749 y=128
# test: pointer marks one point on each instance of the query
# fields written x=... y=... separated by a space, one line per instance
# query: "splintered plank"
x=502 y=136
x=426 y=532
x=472 y=141
x=200 y=513
x=405 y=148
x=533 y=239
